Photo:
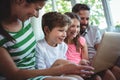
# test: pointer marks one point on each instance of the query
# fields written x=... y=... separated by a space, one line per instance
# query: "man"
x=91 y=33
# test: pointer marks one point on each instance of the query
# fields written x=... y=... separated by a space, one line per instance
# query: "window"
x=58 y=5
x=114 y=6
x=104 y=13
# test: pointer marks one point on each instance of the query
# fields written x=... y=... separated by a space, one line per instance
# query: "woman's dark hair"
x=32 y=1
x=5 y=8
x=53 y=19
x=76 y=39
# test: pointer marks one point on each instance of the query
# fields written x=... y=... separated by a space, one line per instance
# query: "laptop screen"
x=107 y=52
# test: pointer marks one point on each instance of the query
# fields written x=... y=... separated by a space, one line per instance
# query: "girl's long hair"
x=76 y=39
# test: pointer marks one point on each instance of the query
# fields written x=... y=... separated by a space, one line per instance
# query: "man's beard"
x=83 y=28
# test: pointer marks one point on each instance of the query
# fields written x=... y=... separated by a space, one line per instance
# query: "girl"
x=77 y=48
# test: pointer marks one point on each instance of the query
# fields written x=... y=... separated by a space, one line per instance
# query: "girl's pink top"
x=72 y=54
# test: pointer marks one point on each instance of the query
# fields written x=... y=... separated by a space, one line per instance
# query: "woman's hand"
x=67 y=67
x=82 y=70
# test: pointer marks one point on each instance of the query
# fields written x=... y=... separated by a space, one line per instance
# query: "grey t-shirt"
x=92 y=36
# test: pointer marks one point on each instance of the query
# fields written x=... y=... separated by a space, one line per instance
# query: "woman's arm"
x=11 y=72
x=9 y=69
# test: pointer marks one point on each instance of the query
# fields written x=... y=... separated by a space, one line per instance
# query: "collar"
x=86 y=31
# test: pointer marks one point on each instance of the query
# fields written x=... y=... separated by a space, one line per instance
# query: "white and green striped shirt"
x=22 y=50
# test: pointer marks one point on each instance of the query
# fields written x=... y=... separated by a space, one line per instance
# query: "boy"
x=51 y=51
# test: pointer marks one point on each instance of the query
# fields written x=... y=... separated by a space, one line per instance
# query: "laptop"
x=108 y=51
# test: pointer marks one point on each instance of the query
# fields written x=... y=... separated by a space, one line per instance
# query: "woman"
x=17 y=43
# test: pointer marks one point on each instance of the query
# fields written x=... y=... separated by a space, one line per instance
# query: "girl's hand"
x=84 y=62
